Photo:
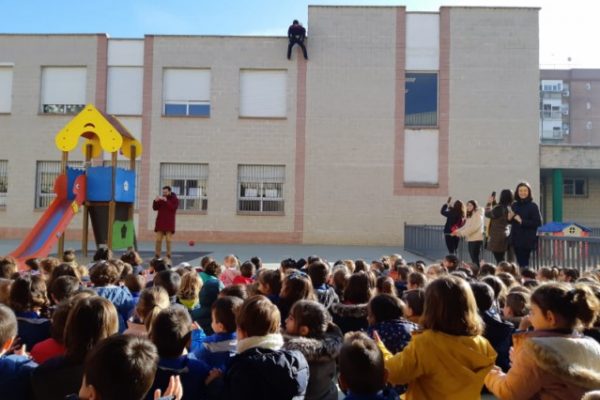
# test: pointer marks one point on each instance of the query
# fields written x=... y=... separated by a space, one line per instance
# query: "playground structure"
x=107 y=194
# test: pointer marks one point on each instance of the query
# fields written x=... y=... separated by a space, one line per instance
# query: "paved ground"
x=269 y=253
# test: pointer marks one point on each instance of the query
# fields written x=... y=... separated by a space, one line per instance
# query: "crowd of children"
x=117 y=329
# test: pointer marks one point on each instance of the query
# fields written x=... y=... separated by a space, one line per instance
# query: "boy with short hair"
x=171 y=333
x=319 y=275
x=261 y=370
x=217 y=349
x=247 y=271
x=15 y=369
x=362 y=371
x=119 y=368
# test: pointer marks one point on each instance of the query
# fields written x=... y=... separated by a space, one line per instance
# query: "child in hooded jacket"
x=553 y=361
x=310 y=330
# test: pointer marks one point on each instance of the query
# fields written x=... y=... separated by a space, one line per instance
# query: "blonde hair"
x=190 y=286
x=152 y=301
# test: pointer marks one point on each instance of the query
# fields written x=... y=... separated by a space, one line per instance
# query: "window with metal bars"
x=189 y=182
x=46 y=174
x=3 y=182
x=260 y=189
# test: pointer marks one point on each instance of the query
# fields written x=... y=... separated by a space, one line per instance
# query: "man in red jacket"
x=166 y=205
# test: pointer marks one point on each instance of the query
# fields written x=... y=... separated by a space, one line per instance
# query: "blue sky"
x=568 y=29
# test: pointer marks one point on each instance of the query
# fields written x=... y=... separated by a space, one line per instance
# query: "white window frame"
x=256 y=191
x=246 y=107
x=3 y=182
x=437 y=100
x=43 y=198
x=571 y=183
x=63 y=108
x=167 y=178
x=187 y=103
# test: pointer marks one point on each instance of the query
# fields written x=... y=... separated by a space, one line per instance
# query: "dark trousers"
x=451 y=243
x=475 y=251
x=522 y=255
x=298 y=42
x=499 y=256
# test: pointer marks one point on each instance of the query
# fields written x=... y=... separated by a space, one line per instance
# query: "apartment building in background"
x=376 y=130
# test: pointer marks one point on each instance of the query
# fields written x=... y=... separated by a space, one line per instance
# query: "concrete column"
x=557 y=195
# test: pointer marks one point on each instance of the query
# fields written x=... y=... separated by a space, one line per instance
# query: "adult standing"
x=472 y=230
x=166 y=205
x=455 y=218
x=499 y=229
x=525 y=219
x=296 y=35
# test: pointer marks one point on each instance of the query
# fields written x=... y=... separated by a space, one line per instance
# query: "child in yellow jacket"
x=449 y=359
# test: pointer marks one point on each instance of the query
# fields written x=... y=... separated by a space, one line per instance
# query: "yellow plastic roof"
x=102 y=131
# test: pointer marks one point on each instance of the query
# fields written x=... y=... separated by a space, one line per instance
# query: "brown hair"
x=361 y=364
x=91 y=320
x=475 y=207
x=258 y=317
x=548 y=273
x=272 y=279
x=8 y=267
x=572 y=304
x=135 y=283
x=152 y=301
x=358 y=290
x=212 y=268
x=312 y=315
x=318 y=272
x=417 y=278
x=225 y=309
x=48 y=264
x=171 y=331
x=450 y=308
x=297 y=286
x=529 y=196
x=415 y=299
x=385 y=284
x=104 y=273
x=190 y=286
x=28 y=293
x=132 y=257
x=459 y=208
x=518 y=303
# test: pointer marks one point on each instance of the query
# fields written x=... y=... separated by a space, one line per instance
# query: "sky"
x=569 y=29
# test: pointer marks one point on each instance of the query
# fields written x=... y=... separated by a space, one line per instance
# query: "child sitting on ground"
x=516 y=307
x=189 y=293
x=231 y=270
x=171 y=333
x=450 y=358
x=269 y=284
x=310 y=330
x=414 y=301
x=261 y=370
x=152 y=301
x=29 y=301
x=135 y=283
x=362 y=372
x=553 y=361
x=15 y=368
x=247 y=271
x=119 y=367
x=319 y=275
x=386 y=318
x=296 y=286
x=217 y=349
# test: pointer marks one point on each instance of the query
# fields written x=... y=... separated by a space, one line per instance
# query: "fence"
x=582 y=253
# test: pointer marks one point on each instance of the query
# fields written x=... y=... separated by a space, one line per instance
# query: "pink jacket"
x=229 y=275
x=548 y=366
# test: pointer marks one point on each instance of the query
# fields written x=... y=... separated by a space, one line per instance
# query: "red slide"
x=50 y=227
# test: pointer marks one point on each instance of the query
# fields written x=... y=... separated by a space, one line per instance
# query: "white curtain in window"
x=63 y=85
x=124 y=90
x=6 y=78
x=263 y=93
x=182 y=85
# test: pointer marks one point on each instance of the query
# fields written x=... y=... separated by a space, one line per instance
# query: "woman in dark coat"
x=455 y=218
x=499 y=228
x=525 y=219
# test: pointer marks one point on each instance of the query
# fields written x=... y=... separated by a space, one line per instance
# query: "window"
x=3 y=182
x=575 y=187
x=63 y=90
x=189 y=182
x=46 y=174
x=6 y=78
x=186 y=92
x=124 y=90
x=125 y=165
x=260 y=188
x=421 y=101
x=263 y=93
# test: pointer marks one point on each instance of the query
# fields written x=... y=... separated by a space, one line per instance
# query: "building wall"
x=27 y=134
x=349 y=178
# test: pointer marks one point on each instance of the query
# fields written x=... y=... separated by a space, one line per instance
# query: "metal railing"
x=582 y=253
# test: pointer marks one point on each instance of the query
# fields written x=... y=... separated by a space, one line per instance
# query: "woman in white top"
x=472 y=230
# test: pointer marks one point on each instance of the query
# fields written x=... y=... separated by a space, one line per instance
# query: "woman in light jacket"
x=472 y=230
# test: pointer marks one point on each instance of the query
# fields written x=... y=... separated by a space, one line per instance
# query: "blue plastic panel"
x=72 y=174
x=125 y=186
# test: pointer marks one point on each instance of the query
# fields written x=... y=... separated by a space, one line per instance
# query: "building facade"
x=570 y=145
x=395 y=112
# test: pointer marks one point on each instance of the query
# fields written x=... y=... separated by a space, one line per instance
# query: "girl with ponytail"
x=152 y=301
x=554 y=361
